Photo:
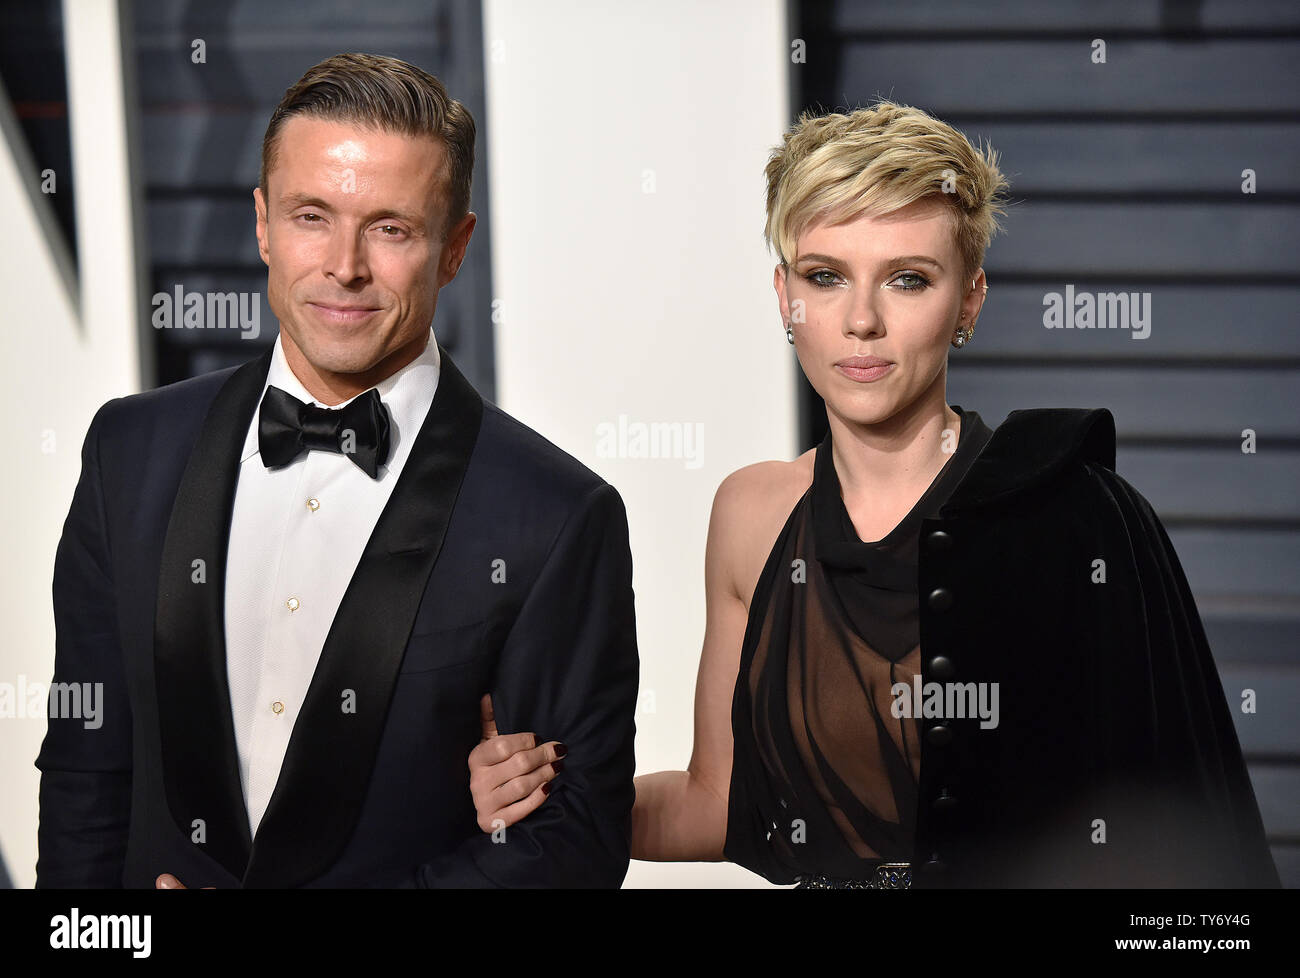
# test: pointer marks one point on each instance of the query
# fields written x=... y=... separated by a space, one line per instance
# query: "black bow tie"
x=287 y=427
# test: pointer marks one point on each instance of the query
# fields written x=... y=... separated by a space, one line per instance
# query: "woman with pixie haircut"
x=935 y=654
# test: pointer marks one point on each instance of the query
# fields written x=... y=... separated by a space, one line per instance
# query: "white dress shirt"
x=296 y=536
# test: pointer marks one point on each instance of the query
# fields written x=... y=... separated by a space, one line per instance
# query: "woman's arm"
x=678 y=815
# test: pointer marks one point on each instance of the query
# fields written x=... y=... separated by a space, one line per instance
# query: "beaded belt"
x=889 y=876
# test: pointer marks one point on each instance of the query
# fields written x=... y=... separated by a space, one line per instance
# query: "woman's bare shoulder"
x=750 y=508
x=765 y=485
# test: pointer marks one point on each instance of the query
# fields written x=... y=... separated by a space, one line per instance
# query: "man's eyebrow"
x=296 y=199
x=899 y=260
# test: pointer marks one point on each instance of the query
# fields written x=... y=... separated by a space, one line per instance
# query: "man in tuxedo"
x=296 y=579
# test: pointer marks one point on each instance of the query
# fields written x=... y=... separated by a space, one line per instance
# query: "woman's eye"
x=920 y=280
x=816 y=278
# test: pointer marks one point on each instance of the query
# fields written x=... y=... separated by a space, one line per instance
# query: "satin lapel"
x=200 y=766
x=331 y=753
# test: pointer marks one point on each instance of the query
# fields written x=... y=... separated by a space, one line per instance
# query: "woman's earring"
x=962 y=336
x=789 y=334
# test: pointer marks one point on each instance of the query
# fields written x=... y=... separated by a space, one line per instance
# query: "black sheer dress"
x=824 y=776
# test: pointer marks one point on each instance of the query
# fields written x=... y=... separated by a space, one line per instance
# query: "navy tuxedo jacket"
x=374 y=795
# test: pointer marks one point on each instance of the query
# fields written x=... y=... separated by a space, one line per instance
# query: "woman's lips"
x=341 y=314
x=864 y=374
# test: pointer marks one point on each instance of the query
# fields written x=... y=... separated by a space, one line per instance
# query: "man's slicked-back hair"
x=381 y=93
x=875 y=161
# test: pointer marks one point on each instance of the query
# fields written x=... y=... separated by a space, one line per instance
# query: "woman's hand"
x=510 y=775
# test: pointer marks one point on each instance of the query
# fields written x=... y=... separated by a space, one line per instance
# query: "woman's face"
x=889 y=288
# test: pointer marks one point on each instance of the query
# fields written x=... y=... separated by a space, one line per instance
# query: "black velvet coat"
x=1115 y=761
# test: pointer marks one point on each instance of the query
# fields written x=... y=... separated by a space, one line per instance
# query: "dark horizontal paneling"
x=1058 y=76
x=1200 y=403
x=1187 y=484
x=196 y=232
x=1241 y=238
x=1242 y=638
x=1277 y=789
x=183 y=149
x=1270 y=731
x=1157 y=158
x=245 y=75
x=250 y=39
x=1240 y=561
x=34 y=27
x=252 y=22
x=1207 y=321
x=189 y=151
x=962 y=17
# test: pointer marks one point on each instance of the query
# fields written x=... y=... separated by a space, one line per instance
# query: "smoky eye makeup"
x=909 y=281
x=821 y=277
x=921 y=282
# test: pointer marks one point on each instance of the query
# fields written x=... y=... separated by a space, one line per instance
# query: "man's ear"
x=263 y=244
x=453 y=251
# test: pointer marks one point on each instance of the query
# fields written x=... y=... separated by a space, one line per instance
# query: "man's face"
x=351 y=229
x=866 y=288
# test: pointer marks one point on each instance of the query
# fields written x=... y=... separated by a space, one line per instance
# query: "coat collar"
x=1030 y=449
x=330 y=756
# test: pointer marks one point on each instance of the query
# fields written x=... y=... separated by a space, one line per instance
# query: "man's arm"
x=568 y=671
x=85 y=793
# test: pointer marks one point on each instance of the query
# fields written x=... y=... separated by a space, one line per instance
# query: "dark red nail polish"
x=546 y=787
x=561 y=750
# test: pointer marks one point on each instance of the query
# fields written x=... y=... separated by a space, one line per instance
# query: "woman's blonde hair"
x=875 y=161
